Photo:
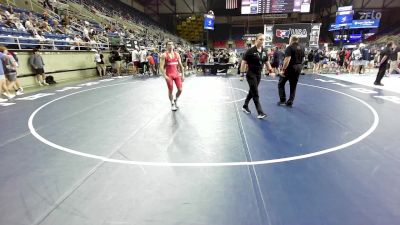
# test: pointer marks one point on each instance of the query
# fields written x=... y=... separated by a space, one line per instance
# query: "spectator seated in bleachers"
x=22 y=23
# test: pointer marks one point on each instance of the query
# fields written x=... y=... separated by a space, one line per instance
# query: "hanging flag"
x=231 y=4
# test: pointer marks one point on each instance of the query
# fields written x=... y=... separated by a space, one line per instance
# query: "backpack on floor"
x=50 y=80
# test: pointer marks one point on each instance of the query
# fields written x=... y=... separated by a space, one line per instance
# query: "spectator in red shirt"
x=189 y=60
x=203 y=57
x=347 y=59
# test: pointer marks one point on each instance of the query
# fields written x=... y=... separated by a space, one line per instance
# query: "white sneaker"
x=173 y=107
x=176 y=104
x=9 y=96
x=3 y=100
x=45 y=84
x=20 y=91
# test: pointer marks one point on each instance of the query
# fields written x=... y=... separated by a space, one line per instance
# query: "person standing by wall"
x=117 y=54
x=101 y=67
x=37 y=64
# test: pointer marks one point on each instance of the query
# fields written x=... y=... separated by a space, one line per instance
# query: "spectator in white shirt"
x=135 y=61
x=143 y=59
x=19 y=25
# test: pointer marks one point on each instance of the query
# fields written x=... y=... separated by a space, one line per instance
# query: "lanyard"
x=260 y=55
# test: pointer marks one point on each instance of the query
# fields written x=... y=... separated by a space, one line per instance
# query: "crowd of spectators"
x=360 y=59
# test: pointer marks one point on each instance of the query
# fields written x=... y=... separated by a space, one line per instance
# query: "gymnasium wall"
x=62 y=65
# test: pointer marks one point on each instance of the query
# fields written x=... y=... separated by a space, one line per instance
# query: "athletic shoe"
x=289 y=103
x=281 y=103
x=241 y=78
x=176 y=105
x=378 y=84
x=45 y=84
x=3 y=100
x=246 y=109
x=261 y=116
x=19 y=91
x=173 y=107
x=9 y=96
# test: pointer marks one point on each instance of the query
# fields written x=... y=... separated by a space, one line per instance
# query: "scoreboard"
x=275 y=6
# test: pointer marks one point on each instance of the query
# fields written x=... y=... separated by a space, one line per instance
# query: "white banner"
x=269 y=35
x=314 y=35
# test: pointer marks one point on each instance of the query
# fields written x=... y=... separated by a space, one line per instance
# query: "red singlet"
x=171 y=70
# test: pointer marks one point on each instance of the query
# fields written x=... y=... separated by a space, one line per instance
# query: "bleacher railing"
x=29 y=43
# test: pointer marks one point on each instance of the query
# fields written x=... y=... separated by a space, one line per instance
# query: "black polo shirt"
x=296 y=54
x=255 y=60
x=386 y=52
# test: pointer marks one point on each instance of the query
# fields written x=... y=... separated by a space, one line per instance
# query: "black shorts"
x=11 y=77
x=39 y=71
x=143 y=64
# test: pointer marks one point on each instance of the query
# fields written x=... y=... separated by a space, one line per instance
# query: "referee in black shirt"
x=254 y=60
x=292 y=65
x=385 y=56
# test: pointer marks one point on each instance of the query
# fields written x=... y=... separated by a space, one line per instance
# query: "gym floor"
x=112 y=152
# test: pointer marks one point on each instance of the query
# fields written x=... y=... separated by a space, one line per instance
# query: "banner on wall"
x=279 y=34
x=368 y=14
x=314 y=35
x=269 y=35
x=283 y=32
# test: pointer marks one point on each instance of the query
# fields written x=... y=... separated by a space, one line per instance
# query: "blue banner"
x=209 y=22
x=358 y=24
x=334 y=27
x=344 y=20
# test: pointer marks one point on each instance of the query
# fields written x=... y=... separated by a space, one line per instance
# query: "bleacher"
x=126 y=22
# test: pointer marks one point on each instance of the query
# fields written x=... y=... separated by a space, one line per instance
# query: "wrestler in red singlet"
x=169 y=63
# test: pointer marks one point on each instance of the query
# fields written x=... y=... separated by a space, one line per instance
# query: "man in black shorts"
x=37 y=64
x=292 y=65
